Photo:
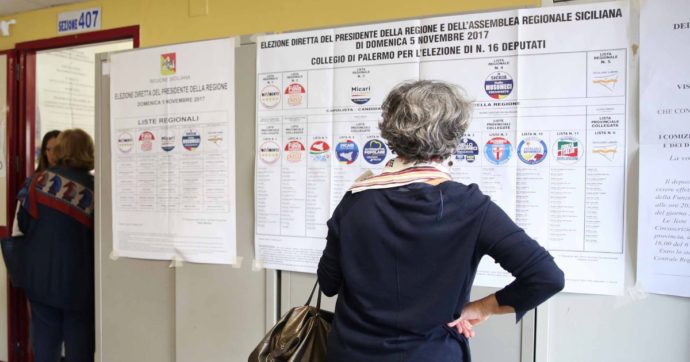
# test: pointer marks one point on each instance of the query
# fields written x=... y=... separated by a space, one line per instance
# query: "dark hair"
x=43 y=159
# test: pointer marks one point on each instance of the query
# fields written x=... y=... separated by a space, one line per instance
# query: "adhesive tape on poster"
x=257 y=265
x=238 y=262
x=113 y=255
x=176 y=262
x=630 y=295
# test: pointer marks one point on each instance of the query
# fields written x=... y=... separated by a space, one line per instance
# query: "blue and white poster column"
x=663 y=252
x=173 y=152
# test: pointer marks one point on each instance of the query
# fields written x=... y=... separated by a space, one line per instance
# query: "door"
x=54 y=90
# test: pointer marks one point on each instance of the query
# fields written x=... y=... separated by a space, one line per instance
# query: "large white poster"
x=663 y=257
x=547 y=140
x=173 y=152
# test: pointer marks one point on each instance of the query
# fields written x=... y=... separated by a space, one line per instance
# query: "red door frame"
x=16 y=305
x=23 y=140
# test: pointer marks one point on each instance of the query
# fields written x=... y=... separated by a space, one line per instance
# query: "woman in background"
x=56 y=215
x=45 y=160
x=403 y=247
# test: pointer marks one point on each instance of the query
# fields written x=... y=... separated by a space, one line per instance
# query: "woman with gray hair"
x=403 y=246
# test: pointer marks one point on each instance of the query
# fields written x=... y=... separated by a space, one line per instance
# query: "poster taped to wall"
x=173 y=152
x=547 y=141
x=663 y=252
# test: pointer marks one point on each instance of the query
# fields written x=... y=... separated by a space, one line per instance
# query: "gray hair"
x=424 y=119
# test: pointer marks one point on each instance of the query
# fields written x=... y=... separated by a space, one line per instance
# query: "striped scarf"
x=61 y=193
x=398 y=173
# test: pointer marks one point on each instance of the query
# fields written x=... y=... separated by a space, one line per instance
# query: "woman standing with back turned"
x=403 y=247
x=56 y=215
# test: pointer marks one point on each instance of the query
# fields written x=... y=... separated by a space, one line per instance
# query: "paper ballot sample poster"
x=173 y=152
x=547 y=141
x=663 y=252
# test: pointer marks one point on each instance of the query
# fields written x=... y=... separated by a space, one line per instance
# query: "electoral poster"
x=547 y=140
x=663 y=252
x=173 y=152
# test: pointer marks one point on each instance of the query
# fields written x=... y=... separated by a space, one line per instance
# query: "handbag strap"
x=318 y=297
x=312 y=294
x=318 y=301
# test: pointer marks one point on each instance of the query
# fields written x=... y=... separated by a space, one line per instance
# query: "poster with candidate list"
x=547 y=140
x=173 y=152
x=663 y=252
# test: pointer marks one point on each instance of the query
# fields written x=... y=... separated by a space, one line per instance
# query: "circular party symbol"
x=360 y=92
x=125 y=142
x=269 y=152
x=168 y=141
x=270 y=96
x=295 y=93
x=374 y=151
x=294 y=151
x=146 y=139
x=531 y=150
x=467 y=150
x=320 y=151
x=346 y=152
x=191 y=139
x=498 y=150
x=567 y=150
x=498 y=85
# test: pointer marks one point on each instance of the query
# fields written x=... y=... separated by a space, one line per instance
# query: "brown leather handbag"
x=299 y=336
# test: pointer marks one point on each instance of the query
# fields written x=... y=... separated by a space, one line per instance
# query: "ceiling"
x=8 y=7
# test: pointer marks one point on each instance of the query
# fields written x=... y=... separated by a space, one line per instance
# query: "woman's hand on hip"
x=476 y=312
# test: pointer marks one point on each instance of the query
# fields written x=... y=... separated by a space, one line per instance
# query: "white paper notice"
x=173 y=152
x=65 y=90
x=547 y=141
x=663 y=257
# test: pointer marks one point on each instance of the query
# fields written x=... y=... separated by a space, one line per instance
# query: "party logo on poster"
x=605 y=149
x=346 y=152
x=498 y=150
x=606 y=79
x=295 y=94
x=531 y=150
x=216 y=136
x=270 y=96
x=568 y=149
x=168 y=64
x=360 y=92
x=498 y=85
x=294 y=150
x=374 y=151
x=146 y=139
x=269 y=152
x=467 y=150
x=125 y=142
x=320 y=151
x=168 y=141
x=191 y=139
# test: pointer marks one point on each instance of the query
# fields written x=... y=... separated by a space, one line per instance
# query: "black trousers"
x=51 y=326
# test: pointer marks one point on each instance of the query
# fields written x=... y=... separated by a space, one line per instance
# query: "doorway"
x=54 y=90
